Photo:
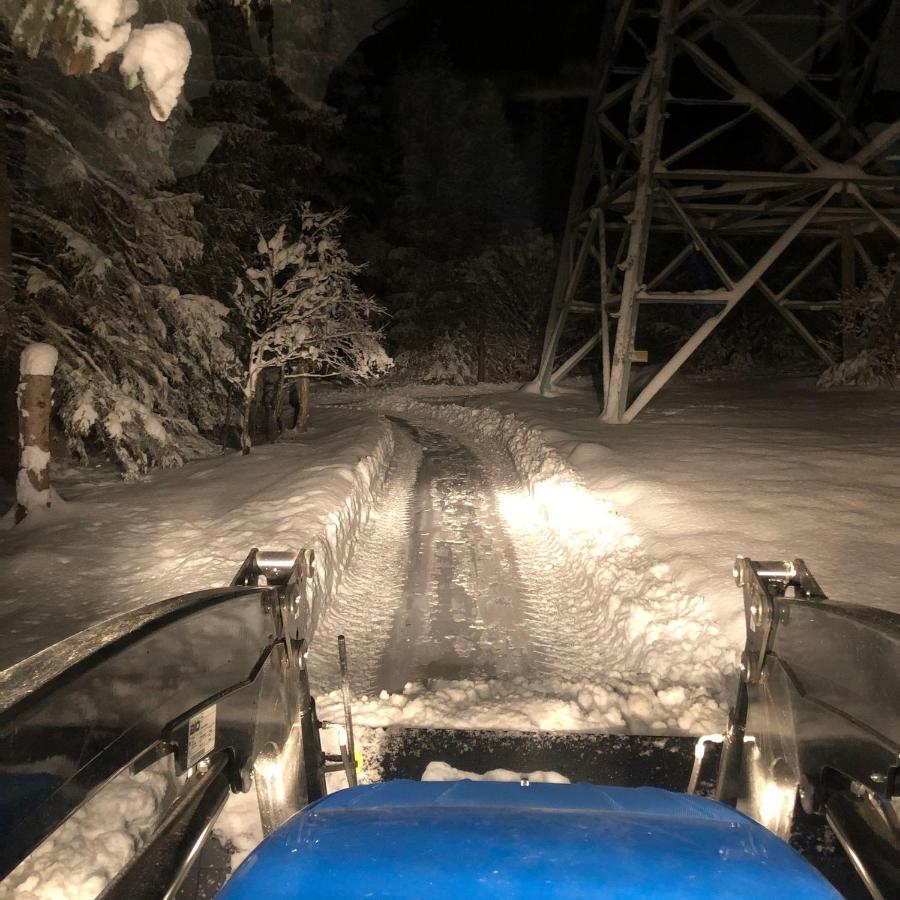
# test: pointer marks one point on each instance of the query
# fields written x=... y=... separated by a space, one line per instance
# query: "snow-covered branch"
x=86 y=34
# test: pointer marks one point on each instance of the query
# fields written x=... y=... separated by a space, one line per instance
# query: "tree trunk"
x=35 y=396
x=8 y=367
x=247 y=417
x=279 y=402
x=482 y=353
x=302 y=422
x=269 y=404
x=226 y=427
x=6 y=272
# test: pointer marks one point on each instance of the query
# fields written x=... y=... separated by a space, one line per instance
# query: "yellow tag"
x=357 y=758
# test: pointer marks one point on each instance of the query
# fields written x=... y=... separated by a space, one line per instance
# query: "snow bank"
x=190 y=528
x=624 y=704
x=315 y=495
x=157 y=56
x=335 y=542
x=766 y=467
x=38 y=359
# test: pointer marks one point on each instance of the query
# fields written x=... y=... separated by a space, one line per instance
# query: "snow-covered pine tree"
x=303 y=312
x=97 y=245
x=870 y=316
x=270 y=150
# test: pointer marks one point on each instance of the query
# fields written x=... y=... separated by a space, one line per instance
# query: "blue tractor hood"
x=470 y=839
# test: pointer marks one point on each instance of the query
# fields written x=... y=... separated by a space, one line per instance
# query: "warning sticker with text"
x=201 y=735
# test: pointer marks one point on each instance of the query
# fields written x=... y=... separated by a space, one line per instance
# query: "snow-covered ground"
x=523 y=600
x=766 y=467
x=497 y=559
x=114 y=547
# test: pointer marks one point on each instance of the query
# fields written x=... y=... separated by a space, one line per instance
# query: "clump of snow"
x=624 y=703
x=441 y=771
x=102 y=47
x=108 y=27
x=157 y=56
x=866 y=370
x=106 y=15
x=33 y=459
x=84 y=854
x=239 y=826
x=39 y=281
x=38 y=359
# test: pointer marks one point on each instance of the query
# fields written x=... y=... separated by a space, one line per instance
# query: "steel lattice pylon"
x=655 y=217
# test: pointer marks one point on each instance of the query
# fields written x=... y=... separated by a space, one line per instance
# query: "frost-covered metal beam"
x=706 y=328
x=892 y=228
x=651 y=141
x=828 y=189
x=776 y=300
x=781 y=124
x=796 y=75
x=566 y=274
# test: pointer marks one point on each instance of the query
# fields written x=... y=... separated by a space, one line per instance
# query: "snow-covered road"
x=472 y=601
x=435 y=588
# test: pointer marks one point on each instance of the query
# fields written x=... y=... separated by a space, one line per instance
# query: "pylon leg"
x=617 y=392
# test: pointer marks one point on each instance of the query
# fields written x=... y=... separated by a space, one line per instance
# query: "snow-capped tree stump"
x=35 y=397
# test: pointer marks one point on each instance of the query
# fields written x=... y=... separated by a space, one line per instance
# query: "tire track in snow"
x=434 y=589
x=454 y=577
x=461 y=609
x=368 y=592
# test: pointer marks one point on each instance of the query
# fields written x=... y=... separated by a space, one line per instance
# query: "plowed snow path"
x=465 y=605
x=434 y=589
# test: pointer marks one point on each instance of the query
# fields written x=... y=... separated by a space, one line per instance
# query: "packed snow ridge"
x=623 y=703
